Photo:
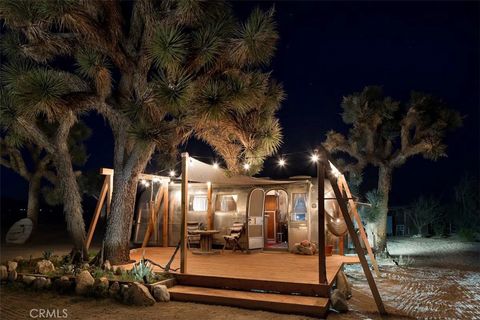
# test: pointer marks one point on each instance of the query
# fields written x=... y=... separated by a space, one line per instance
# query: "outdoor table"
x=206 y=240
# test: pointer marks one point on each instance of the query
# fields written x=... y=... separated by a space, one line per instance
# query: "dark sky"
x=331 y=49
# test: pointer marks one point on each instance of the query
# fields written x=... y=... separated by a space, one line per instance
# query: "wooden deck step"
x=282 y=303
x=243 y=284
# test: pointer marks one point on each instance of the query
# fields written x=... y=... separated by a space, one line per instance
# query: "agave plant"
x=142 y=271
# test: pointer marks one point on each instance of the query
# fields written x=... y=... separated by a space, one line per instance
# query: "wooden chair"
x=192 y=237
x=232 y=240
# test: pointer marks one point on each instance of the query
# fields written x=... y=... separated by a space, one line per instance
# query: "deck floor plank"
x=267 y=265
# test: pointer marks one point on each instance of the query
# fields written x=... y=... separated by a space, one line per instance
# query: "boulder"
x=84 y=283
x=40 y=283
x=137 y=294
x=12 y=275
x=100 y=287
x=63 y=284
x=3 y=273
x=28 y=280
x=338 y=301
x=343 y=285
x=160 y=293
x=12 y=265
x=44 y=267
x=114 y=290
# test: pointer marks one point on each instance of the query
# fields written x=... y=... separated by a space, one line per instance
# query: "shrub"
x=467 y=234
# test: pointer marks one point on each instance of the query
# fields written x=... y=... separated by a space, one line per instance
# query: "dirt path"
x=426 y=293
x=16 y=304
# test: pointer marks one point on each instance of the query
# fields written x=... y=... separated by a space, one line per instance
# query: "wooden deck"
x=268 y=265
x=274 y=281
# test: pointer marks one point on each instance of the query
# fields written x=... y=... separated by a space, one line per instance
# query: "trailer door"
x=255 y=214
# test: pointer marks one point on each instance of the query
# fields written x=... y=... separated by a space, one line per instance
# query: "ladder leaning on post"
x=342 y=202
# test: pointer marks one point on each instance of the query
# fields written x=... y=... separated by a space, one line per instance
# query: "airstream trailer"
x=276 y=214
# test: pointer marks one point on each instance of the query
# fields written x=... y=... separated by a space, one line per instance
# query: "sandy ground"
x=448 y=288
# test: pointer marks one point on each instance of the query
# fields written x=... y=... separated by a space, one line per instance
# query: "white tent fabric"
x=199 y=171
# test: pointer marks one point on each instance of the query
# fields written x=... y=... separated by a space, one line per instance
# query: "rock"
x=84 y=283
x=100 y=287
x=117 y=270
x=338 y=301
x=18 y=258
x=12 y=265
x=85 y=266
x=3 y=273
x=160 y=293
x=12 y=275
x=39 y=283
x=138 y=295
x=343 y=285
x=44 y=267
x=28 y=280
x=114 y=290
x=107 y=266
x=63 y=284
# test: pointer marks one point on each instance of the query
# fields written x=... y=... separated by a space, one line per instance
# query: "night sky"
x=331 y=49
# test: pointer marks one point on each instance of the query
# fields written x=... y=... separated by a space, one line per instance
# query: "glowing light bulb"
x=144 y=182
x=314 y=157
x=281 y=162
x=157 y=180
x=246 y=166
x=338 y=220
x=172 y=173
x=215 y=165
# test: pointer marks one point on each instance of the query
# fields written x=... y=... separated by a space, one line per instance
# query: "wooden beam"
x=358 y=248
x=110 y=193
x=96 y=214
x=165 y=216
x=153 y=213
x=184 y=201
x=141 y=176
x=322 y=266
x=363 y=235
x=209 y=206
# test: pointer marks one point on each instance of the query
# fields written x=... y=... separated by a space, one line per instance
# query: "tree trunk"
x=117 y=236
x=72 y=198
x=33 y=199
x=384 y=185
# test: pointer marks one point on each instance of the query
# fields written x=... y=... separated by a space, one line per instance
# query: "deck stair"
x=283 y=303
x=277 y=296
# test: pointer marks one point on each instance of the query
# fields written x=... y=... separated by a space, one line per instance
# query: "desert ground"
x=429 y=279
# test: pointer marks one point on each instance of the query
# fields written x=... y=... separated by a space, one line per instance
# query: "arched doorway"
x=276 y=220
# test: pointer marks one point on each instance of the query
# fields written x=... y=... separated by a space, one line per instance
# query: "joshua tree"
x=385 y=134
x=33 y=164
x=161 y=72
x=424 y=211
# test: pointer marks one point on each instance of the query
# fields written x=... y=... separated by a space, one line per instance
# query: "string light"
x=157 y=180
x=172 y=173
x=215 y=165
x=314 y=157
x=143 y=182
x=281 y=162
x=246 y=166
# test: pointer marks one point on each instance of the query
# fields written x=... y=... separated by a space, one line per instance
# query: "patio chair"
x=192 y=237
x=232 y=240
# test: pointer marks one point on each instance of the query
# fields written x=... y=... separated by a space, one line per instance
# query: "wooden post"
x=342 y=202
x=110 y=192
x=98 y=209
x=153 y=209
x=348 y=195
x=183 y=235
x=209 y=206
x=165 y=216
x=322 y=265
